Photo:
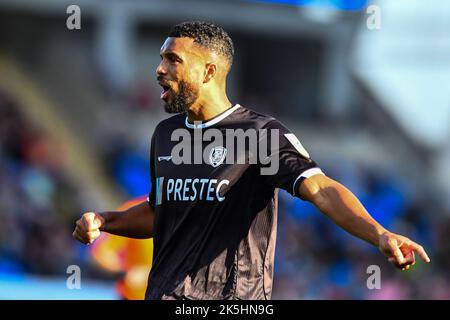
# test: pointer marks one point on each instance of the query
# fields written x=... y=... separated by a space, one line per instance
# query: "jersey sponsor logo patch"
x=194 y=189
x=217 y=156
x=297 y=145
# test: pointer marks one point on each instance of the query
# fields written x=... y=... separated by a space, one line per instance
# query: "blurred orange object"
x=131 y=256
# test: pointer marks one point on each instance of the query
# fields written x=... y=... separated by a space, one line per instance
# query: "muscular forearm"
x=341 y=206
x=136 y=222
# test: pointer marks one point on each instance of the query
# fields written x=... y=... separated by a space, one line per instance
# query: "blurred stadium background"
x=78 y=107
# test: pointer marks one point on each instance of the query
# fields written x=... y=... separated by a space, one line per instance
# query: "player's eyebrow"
x=170 y=54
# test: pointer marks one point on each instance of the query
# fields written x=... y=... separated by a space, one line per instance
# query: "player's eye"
x=171 y=58
x=174 y=58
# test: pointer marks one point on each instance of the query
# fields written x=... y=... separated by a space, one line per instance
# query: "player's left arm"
x=342 y=206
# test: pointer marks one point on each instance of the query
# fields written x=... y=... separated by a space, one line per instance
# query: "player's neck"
x=209 y=108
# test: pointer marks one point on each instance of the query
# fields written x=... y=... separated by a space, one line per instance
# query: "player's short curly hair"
x=208 y=35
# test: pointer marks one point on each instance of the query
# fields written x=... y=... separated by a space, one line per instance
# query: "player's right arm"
x=135 y=222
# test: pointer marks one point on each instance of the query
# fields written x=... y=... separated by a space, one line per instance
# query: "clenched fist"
x=87 y=228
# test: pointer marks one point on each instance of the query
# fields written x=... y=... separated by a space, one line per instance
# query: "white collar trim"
x=213 y=121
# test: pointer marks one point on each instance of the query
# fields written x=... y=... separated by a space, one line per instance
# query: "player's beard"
x=182 y=100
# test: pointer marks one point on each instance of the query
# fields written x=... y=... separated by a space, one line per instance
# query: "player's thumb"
x=398 y=254
x=92 y=222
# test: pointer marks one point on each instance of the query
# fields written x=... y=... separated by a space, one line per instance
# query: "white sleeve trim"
x=306 y=174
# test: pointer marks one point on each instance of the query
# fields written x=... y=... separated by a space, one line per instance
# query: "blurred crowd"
x=38 y=202
x=314 y=259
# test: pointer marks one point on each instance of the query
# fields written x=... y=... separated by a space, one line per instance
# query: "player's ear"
x=210 y=72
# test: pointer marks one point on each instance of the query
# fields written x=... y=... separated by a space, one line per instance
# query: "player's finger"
x=82 y=234
x=393 y=260
x=92 y=235
x=409 y=256
x=78 y=237
x=420 y=251
x=79 y=224
x=87 y=236
x=397 y=253
x=410 y=261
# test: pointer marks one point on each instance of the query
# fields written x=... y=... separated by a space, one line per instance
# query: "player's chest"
x=195 y=172
x=196 y=158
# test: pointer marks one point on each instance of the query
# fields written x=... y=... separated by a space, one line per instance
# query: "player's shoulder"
x=173 y=122
x=258 y=119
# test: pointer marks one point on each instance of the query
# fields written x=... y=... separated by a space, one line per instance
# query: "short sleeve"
x=294 y=162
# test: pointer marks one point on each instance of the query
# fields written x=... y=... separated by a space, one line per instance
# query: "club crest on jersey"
x=217 y=156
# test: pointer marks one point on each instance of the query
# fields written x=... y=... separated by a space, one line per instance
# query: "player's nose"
x=161 y=69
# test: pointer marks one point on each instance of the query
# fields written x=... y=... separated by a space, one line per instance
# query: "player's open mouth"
x=165 y=91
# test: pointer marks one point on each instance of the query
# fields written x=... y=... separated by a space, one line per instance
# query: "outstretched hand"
x=400 y=250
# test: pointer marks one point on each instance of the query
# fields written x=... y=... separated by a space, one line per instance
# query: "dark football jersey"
x=215 y=221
